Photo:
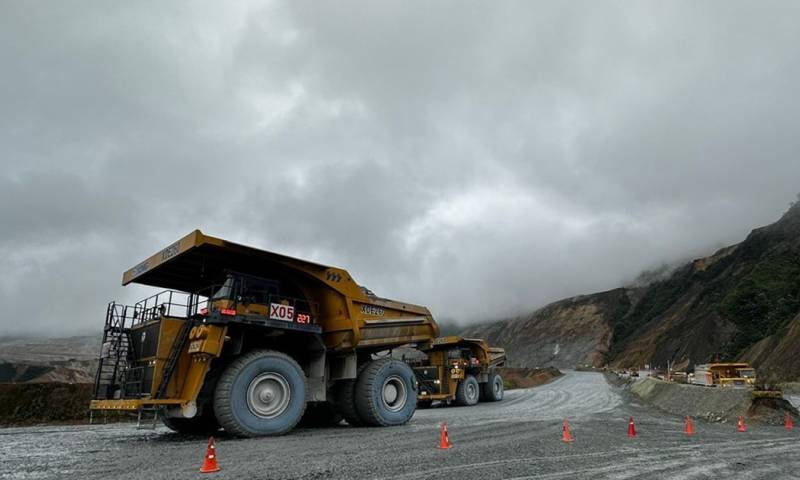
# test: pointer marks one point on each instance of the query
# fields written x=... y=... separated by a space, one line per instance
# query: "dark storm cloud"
x=476 y=158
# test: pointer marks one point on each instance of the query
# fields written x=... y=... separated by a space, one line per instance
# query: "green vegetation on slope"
x=30 y=403
x=657 y=299
x=719 y=306
x=764 y=300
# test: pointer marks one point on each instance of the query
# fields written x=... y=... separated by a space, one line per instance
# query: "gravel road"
x=517 y=438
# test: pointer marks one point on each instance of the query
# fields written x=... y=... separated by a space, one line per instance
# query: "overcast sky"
x=480 y=158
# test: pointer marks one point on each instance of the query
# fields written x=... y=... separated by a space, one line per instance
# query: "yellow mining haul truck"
x=460 y=370
x=253 y=342
x=731 y=375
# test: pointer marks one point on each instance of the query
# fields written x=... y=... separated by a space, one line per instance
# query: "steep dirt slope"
x=571 y=332
x=776 y=355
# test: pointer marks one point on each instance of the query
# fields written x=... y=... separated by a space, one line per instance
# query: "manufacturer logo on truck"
x=333 y=277
x=372 y=310
x=139 y=269
x=170 y=251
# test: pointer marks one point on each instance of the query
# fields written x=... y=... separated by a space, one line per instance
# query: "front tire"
x=386 y=393
x=261 y=393
x=468 y=391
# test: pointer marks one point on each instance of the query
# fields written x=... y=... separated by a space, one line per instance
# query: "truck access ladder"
x=115 y=354
x=174 y=354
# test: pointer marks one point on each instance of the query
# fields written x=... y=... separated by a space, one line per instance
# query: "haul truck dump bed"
x=252 y=341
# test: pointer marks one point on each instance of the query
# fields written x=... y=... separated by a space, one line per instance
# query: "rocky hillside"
x=565 y=334
x=40 y=360
x=776 y=355
x=741 y=302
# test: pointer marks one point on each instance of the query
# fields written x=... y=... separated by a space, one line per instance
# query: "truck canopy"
x=198 y=260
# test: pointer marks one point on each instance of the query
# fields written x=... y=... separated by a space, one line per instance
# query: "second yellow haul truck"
x=251 y=341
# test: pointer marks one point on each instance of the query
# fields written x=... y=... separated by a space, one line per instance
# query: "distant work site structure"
x=735 y=375
x=253 y=342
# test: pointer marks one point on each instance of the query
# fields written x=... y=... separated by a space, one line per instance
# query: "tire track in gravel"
x=573 y=395
x=661 y=460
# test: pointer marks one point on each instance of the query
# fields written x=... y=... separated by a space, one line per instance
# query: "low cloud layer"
x=478 y=158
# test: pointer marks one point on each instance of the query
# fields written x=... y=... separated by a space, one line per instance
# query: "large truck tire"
x=205 y=424
x=262 y=392
x=386 y=393
x=492 y=390
x=468 y=391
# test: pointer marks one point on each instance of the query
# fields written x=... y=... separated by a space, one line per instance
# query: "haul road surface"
x=517 y=438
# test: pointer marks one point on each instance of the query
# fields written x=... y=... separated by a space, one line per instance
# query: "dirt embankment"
x=713 y=404
x=565 y=334
x=32 y=403
x=527 y=377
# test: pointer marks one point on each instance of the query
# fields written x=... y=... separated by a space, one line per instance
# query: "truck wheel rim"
x=498 y=387
x=472 y=392
x=394 y=394
x=268 y=395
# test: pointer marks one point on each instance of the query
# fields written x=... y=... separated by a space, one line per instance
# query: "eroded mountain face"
x=41 y=360
x=564 y=334
x=743 y=302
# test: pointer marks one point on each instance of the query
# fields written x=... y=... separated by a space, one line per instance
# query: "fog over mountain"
x=481 y=159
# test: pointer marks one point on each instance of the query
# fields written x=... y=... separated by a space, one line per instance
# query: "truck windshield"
x=225 y=291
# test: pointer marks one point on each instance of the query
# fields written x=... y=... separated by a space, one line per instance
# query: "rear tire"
x=262 y=392
x=492 y=390
x=386 y=393
x=468 y=391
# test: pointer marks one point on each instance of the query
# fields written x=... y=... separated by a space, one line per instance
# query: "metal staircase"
x=116 y=354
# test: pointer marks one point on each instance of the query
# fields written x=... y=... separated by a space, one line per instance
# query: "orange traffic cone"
x=566 y=435
x=210 y=463
x=631 y=428
x=444 y=439
x=787 y=422
x=740 y=427
x=689 y=426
